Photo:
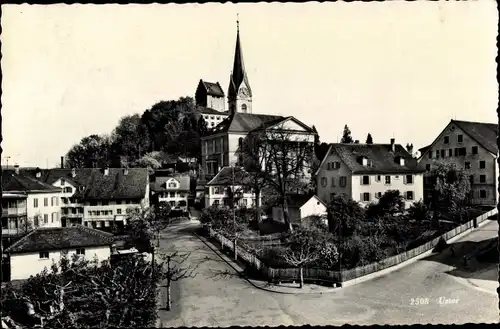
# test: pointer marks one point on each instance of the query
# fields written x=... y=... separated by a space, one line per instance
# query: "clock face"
x=244 y=92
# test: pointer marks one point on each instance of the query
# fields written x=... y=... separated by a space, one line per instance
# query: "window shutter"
x=361 y=197
x=369 y=197
x=361 y=180
x=328 y=165
x=404 y=179
x=333 y=181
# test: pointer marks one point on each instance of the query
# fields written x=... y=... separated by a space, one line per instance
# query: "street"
x=218 y=296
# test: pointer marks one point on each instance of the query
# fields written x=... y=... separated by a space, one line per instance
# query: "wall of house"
x=14 y=216
x=213 y=120
x=328 y=181
x=103 y=214
x=216 y=194
x=375 y=186
x=452 y=132
x=44 y=213
x=312 y=207
x=24 y=265
x=70 y=211
x=216 y=103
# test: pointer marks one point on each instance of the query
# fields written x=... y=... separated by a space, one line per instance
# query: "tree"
x=150 y=161
x=139 y=227
x=345 y=215
x=92 y=152
x=451 y=189
x=346 y=136
x=280 y=160
x=130 y=138
x=391 y=203
x=304 y=247
x=369 y=139
x=160 y=219
x=419 y=212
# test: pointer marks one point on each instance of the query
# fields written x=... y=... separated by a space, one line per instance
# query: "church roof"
x=244 y=123
x=239 y=73
x=213 y=89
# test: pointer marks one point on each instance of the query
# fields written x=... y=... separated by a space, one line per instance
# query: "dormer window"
x=400 y=161
x=363 y=160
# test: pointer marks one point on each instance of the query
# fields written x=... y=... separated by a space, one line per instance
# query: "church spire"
x=238 y=83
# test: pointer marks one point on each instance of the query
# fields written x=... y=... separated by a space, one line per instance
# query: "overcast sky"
x=394 y=69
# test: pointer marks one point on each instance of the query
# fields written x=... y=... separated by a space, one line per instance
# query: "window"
x=98 y=213
x=482 y=164
x=379 y=195
x=323 y=181
x=467 y=165
x=460 y=138
x=332 y=195
x=35 y=203
x=119 y=211
x=482 y=194
x=428 y=167
x=446 y=139
x=52 y=201
x=244 y=108
x=377 y=178
x=45 y=202
x=45 y=218
x=437 y=154
x=462 y=151
x=63 y=182
x=366 y=196
x=128 y=202
x=474 y=150
x=365 y=180
x=336 y=165
x=343 y=181
x=44 y=255
x=456 y=152
x=409 y=179
x=450 y=153
x=482 y=179
x=80 y=251
x=443 y=153
x=409 y=195
x=105 y=203
x=216 y=202
x=333 y=181
x=53 y=215
x=118 y=201
x=471 y=179
x=387 y=179
x=430 y=154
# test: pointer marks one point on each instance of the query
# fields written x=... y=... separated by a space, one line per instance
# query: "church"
x=228 y=128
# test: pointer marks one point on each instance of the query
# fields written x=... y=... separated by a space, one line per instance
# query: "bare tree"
x=280 y=159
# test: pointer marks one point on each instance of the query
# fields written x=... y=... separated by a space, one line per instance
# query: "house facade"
x=31 y=254
x=173 y=190
x=365 y=172
x=210 y=95
x=300 y=207
x=229 y=182
x=14 y=214
x=471 y=146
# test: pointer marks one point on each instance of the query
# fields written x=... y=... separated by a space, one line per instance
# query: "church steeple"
x=239 y=93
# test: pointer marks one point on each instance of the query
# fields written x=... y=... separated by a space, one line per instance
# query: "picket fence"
x=338 y=277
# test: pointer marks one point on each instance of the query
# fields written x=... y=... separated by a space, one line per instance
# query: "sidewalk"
x=285 y=288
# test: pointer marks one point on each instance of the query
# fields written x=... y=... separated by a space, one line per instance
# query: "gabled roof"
x=380 y=158
x=225 y=177
x=159 y=185
x=57 y=238
x=24 y=183
x=485 y=134
x=97 y=186
x=298 y=200
x=213 y=89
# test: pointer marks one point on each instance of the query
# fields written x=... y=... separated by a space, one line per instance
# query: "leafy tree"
x=369 y=139
x=451 y=189
x=150 y=161
x=345 y=216
x=130 y=138
x=346 y=136
x=93 y=151
x=358 y=251
x=391 y=202
x=419 y=212
x=139 y=227
x=279 y=160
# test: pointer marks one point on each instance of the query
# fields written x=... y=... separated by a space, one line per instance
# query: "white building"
x=229 y=182
x=300 y=207
x=38 y=250
x=14 y=214
x=173 y=190
x=366 y=171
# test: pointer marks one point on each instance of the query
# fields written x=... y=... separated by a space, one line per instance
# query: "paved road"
x=217 y=296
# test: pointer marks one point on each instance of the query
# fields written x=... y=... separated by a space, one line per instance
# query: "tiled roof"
x=23 y=182
x=484 y=133
x=213 y=89
x=115 y=185
x=225 y=177
x=159 y=184
x=380 y=157
x=245 y=122
x=57 y=238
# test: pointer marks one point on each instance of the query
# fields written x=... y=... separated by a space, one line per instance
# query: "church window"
x=244 y=108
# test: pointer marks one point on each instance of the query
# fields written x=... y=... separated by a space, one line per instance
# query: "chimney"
x=38 y=173
x=73 y=172
x=62 y=162
x=409 y=148
x=16 y=169
x=393 y=146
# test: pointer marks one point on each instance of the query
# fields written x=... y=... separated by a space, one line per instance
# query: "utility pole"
x=234 y=215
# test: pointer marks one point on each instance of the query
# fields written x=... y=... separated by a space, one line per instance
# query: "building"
x=300 y=207
x=14 y=214
x=173 y=190
x=365 y=172
x=212 y=117
x=228 y=183
x=38 y=249
x=210 y=95
x=472 y=146
x=43 y=208
x=99 y=197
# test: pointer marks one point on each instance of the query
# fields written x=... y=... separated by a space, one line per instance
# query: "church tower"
x=239 y=95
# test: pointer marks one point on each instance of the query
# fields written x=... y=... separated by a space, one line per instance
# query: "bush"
x=358 y=251
x=273 y=257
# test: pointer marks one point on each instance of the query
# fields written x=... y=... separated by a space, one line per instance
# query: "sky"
x=394 y=69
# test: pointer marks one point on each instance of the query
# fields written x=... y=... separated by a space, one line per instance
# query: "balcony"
x=13 y=212
x=72 y=215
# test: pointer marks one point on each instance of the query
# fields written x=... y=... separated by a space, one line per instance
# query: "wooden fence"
x=333 y=277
